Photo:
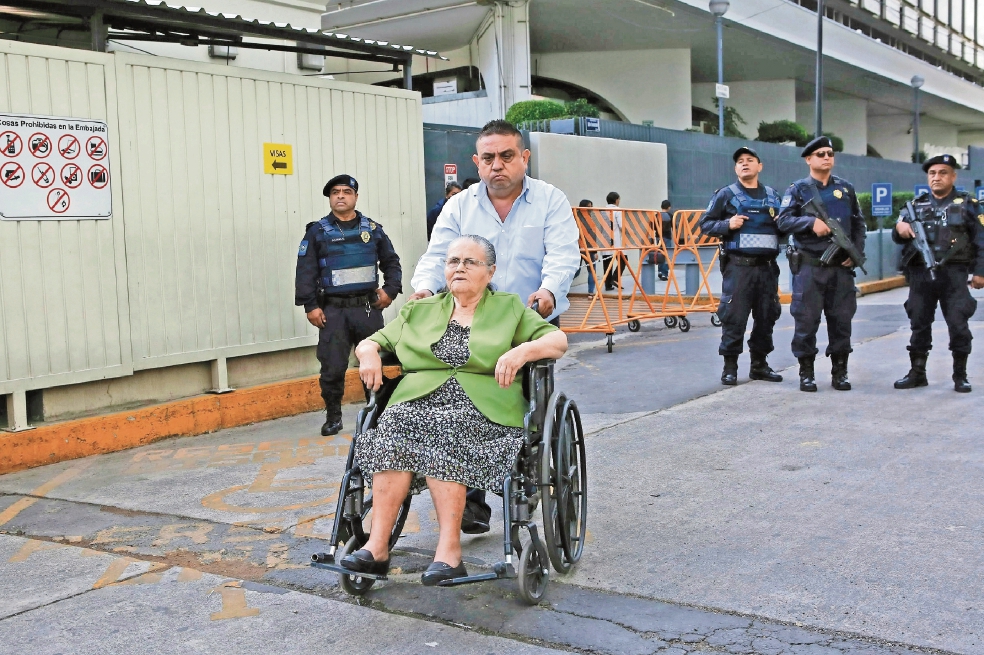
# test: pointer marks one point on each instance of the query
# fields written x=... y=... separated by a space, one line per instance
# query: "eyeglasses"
x=454 y=262
x=823 y=154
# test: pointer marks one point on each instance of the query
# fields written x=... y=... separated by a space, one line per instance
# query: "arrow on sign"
x=279 y=164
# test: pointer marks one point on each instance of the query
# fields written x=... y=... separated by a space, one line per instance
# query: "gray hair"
x=481 y=241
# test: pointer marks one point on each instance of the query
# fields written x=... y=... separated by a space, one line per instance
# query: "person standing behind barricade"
x=337 y=283
x=451 y=189
x=666 y=218
x=823 y=275
x=743 y=216
x=535 y=235
x=951 y=235
x=613 y=273
x=589 y=259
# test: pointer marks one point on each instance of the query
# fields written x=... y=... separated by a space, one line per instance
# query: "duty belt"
x=742 y=260
x=810 y=260
x=350 y=301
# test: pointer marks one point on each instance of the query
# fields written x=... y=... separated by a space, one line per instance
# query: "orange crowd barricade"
x=641 y=235
x=704 y=250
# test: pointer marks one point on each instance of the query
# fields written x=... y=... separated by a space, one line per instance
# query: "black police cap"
x=949 y=160
x=340 y=180
x=745 y=150
x=816 y=144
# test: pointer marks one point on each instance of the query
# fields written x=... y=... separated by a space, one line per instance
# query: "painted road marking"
x=60 y=479
x=113 y=572
x=32 y=546
x=233 y=603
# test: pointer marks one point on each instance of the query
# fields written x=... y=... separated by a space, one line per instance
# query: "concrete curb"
x=58 y=442
x=881 y=285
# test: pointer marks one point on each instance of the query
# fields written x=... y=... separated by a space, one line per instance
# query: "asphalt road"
x=752 y=519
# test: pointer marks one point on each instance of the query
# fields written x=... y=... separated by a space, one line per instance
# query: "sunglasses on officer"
x=823 y=154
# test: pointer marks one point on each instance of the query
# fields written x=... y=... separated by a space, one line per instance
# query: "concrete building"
x=654 y=61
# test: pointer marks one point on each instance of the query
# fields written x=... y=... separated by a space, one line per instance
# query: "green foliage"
x=922 y=157
x=534 y=110
x=899 y=198
x=836 y=140
x=580 y=107
x=544 y=110
x=783 y=132
x=731 y=121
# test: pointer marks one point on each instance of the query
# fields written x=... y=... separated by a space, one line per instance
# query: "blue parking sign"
x=921 y=189
x=881 y=199
x=979 y=193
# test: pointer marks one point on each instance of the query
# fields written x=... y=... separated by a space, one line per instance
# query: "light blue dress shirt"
x=535 y=247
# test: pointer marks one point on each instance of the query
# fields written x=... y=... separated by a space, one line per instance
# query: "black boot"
x=807 y=381
x=916 y=377
x=333 y=422
x=729 y=376
x=760 y=369
x=838 y=372
x=960 y=383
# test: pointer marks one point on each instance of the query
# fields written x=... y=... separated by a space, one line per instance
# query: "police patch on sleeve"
x=709 y=205
x=786 y=200
x=980 y=219
x=303 y=249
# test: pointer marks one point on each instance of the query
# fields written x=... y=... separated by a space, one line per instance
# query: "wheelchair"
x=549 y=472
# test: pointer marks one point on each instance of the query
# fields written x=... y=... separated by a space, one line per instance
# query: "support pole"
x=408 y=74
x=220 y=376
x=818 y=102
x=719 y=24
x=17 y=412
x=915 y=125
x=99 y=32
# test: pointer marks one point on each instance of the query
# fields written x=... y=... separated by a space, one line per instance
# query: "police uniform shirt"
x=714 y=222
x=308 y=269
x=972 y=213
x=841 y=203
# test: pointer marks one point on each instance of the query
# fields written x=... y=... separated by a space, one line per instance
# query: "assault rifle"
x=841 y=240
x=920 y=242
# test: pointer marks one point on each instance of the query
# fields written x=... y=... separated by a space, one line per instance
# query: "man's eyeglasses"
x=454 y=262
x=823 y=154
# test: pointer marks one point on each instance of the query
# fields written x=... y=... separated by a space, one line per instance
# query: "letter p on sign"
x=881 y=199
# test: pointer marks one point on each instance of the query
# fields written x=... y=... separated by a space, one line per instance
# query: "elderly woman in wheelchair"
x=456 y=418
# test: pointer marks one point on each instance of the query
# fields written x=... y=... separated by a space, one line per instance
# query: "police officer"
x=337 y=283
x=953 y=222
x=820 y=287
x=743 y=216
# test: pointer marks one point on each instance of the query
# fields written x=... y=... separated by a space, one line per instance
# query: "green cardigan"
x=501 y=322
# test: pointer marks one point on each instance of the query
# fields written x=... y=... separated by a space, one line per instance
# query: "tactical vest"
x=944 y=225
x=759 y=235
x=347 y=258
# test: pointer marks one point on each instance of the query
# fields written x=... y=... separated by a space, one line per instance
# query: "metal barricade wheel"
x=634 y=326
x=684 y=324
x=354 y=584
x=670 y=322
x=533 y=576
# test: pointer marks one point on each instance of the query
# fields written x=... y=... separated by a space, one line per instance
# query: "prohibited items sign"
x=67 y=163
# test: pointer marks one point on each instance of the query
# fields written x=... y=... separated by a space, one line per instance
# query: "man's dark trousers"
x=951 y=292
x=827 y=290
x=344 y=328
x=749 y=290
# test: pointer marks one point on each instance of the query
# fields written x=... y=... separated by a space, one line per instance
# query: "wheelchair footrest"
x=500 y=570
x=341 y=570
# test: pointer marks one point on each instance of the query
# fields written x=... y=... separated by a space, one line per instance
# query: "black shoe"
x=960 y=383
x=760 y=369
x=807 y=380
x=475 y=519
x=331 y=426
x=664 y=278
x=439 y=571
x=729 y=376
x=362 y=561
x=838 y=372
x=916 y=377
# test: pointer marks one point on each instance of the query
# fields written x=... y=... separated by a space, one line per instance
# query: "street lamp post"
x=718 y=8
x=818 y=101
x=917 y=81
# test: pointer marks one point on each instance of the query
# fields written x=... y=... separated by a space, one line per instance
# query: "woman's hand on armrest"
x=550 y=346
x=370 y=364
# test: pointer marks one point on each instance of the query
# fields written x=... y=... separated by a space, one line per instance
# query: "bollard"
x=647 y=274
x=693 y=279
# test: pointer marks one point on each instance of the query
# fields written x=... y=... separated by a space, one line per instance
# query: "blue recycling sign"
x=881 y=199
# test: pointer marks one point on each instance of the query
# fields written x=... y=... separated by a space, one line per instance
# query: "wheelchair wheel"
x=532 y=579
x=354 y=584
x=715 y=321
x=634 y=326
x=670 y=322
x=572 y=483
x=684 y=324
